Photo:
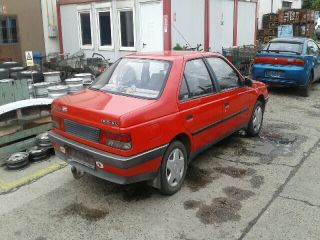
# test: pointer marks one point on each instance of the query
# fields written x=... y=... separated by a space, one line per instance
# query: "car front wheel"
x=256 y=120
x=173 y=168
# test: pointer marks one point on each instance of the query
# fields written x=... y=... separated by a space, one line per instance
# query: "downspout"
x=235 y=22
x=59 y=27
x=256 y=23
x=206 y=25
x=167 y=42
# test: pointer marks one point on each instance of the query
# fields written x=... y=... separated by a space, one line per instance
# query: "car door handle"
x=189 y=117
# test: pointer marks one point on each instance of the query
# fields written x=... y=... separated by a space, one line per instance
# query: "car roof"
x=172 y=55
x=291 y=39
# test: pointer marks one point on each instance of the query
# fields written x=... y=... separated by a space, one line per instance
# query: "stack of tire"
x=43 y=150
x=17 y=160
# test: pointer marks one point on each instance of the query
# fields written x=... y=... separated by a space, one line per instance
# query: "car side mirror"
x=248 y=82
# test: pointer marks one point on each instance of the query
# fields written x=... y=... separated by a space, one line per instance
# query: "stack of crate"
x=270 y=23
x=302 y=21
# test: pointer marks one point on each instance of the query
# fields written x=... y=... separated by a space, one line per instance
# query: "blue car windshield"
x=293 y=47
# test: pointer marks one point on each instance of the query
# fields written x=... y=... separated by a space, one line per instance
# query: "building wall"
x=246 y=23
x=187 y=22
x=49 y=19
x=30 y=26
x=265 y=7
x=221 y=24
x=71 y=31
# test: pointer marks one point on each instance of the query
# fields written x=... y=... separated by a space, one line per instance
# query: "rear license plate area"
x=81 y=158
x=274 y=73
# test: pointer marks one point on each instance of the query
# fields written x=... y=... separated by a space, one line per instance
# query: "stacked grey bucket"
x=74 y=84
x=86 y=78
x=57 y=91
x=44 y=89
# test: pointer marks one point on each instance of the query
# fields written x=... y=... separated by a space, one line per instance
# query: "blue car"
x=288 y=62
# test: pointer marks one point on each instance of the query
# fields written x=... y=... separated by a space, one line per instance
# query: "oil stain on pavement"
x=198 y=178
x=84 y=212
x=221 y=209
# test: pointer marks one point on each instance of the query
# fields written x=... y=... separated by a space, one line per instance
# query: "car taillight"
x=279 y=61
x=57 y=122
x=116 y=140
x=296 y=61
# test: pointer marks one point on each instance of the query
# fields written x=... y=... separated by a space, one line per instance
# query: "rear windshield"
x=285 y=47
x=142 y=78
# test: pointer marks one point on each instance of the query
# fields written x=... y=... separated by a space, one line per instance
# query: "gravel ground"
x=266 y=187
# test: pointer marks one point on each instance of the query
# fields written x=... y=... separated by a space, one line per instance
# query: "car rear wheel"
x=306 y=90
x=173 y=168
x=256 y=120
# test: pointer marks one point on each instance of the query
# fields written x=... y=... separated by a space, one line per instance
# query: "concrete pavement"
x=243 y=188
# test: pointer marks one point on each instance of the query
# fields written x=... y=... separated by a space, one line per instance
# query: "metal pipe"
x=235 y=22
x=167 y=44
x=59 y=27
x=271 y=6
x=206 y=25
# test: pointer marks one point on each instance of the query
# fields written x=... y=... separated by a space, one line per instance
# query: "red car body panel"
x=153 y=124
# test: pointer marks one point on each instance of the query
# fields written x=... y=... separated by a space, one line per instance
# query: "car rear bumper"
x=291 y=75
x=113 y=168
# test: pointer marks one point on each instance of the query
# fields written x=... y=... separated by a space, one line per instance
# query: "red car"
x=149 y=115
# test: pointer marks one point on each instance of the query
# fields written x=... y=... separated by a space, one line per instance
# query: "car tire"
x=173 y=168
x=256 y=120
x=305 y=92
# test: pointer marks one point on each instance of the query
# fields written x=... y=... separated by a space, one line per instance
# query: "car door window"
x=184 y=92
x=197 y=78
x=226 y=76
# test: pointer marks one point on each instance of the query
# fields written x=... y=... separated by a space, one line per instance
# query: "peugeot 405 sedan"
x=149 y=115
x=288 y=62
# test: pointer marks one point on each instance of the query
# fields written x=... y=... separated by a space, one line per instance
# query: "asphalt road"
x=260 y=188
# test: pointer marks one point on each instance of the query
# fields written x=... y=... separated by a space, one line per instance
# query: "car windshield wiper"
x=278 y=51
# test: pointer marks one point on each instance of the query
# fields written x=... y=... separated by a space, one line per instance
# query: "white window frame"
x=98 y=11
x=84 y=9
x=121 y=48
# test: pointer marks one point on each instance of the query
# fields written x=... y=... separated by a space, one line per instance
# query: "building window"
x=8 y=30
x=286 y=5
x=126 y=23
x=85 y=29
x=105 y=26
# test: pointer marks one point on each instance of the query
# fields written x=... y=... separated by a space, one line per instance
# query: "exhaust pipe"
x=77 y=174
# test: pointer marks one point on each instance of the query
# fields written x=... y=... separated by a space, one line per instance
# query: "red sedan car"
x=148 y=115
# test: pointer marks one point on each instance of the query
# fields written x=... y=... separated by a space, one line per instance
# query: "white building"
x=115 y=28
x=50 y=25
x=272 y=6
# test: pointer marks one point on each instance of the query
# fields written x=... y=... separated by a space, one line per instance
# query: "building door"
x=151 y=26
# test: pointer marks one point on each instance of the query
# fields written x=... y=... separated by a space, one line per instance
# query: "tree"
x=311 y=4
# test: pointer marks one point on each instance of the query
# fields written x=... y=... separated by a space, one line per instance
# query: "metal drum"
x=8 y=65
x=35 y=75
x=4 y=73
x=40 y=89
x=74 y=84
x=8 y=80
x=57 y=91
x=30 y=88
x=86 y=78
x=52 y=77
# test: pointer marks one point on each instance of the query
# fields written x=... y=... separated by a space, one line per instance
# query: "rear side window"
x=293 y=47
x=197 y=78
x=184 y=92
x=226 y=76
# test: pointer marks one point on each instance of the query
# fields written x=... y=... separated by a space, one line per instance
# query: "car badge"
x=64 y=109
x=109 y=122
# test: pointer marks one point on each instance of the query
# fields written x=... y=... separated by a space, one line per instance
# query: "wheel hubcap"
x=175 y=167
x=257 y=118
